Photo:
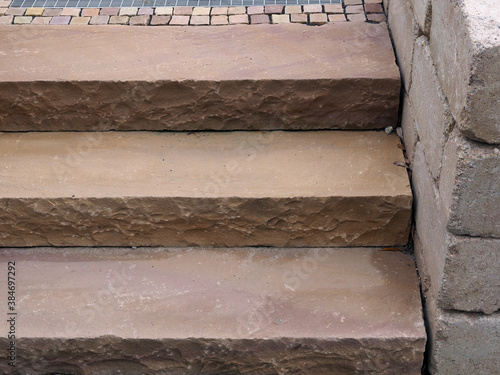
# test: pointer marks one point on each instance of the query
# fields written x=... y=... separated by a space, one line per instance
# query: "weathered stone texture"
x=404 y=30
x=471 y=279
x=422 y=12
x=430 y=242
x=463 y=343
x=215 y=311
x=410 y=133
x=470 y=187
x=213 y=189
x=466 y=50
x=432 y=115
x=334 y=77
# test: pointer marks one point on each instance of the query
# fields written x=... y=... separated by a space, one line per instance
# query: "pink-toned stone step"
x=288 y=76
x=315 y=188
x=213 y=311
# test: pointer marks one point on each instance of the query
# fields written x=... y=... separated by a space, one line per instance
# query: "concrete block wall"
x=449 y=56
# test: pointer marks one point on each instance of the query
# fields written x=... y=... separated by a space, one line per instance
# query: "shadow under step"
x=214 y=311
x=299 y=189
x=267 y=77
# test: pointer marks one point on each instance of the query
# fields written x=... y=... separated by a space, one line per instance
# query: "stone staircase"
x=205 y=201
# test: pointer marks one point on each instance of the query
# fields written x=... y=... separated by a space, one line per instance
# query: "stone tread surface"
x=317 y=188
x=265 y=77
x=205 y=311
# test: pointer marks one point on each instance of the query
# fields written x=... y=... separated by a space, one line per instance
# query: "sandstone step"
x=267 y=77
x=299 y=189
x=214 y=311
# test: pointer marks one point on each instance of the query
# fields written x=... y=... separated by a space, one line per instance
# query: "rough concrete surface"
x=213 y=189
x=470 y=187
x=266 y=77
x=463 y=344
x=404 y=31
x=432 y=115
x=466 y=51
x=215 y=311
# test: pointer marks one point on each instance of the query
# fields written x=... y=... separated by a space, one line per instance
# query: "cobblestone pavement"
x=311 y=14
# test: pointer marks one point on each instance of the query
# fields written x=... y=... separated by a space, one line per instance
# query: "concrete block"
x=404 y=29
x=463 y=344
x=430 y=109
x=470 y=187
x=466 y=51
x=409 y=127
x=422 y=12
x=471 y=279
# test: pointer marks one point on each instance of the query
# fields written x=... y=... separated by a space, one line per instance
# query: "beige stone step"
x=266 y=77
x=214 y=311
x=299 y=189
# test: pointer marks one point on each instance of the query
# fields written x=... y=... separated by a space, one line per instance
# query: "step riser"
x=111 y=355
x=296 y=222
x=195 y=105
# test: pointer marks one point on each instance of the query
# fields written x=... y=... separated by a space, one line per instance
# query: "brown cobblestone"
x=333 y=8
x=2 y=11
x=269 y=9
x=15 y=11
x=160 y=20
x=60 y=20
x=119 y=20
x=293 y=9
x=179 y=20
x=22 y=20
x=219 y=11
x=259 y=18
x=80 y=20
x=373 y=8
x=146 y=11
x=280 y=18
x=298 y=18
x=354 y=9
x=89 y=12
x=318 y=19
x=99 y=20
x=201 y=11
x=142 y=20
x=357 y=17
x=183 y=11
x=109 y=11
x=353 y=2
x=313 y=8
x=52 y=12
x=238 y=19
x=336 y=18
x=34 y=11
x=72 y=12
x=200 y=20
x=41 y=20
x=128 y=11
x=164 y=11
x=236 y=10
x=255 y=10
x=219 y=20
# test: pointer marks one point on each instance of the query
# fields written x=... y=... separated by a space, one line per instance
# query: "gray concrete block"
x=431 y=111
x=470 y=187
x=463 y=344
x=471 y=280
x=466 y=51
x=422 y=11
x=404 y=30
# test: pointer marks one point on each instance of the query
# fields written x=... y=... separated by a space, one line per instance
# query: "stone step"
x=299 y=189
x=268 y=77
x=213 y=311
